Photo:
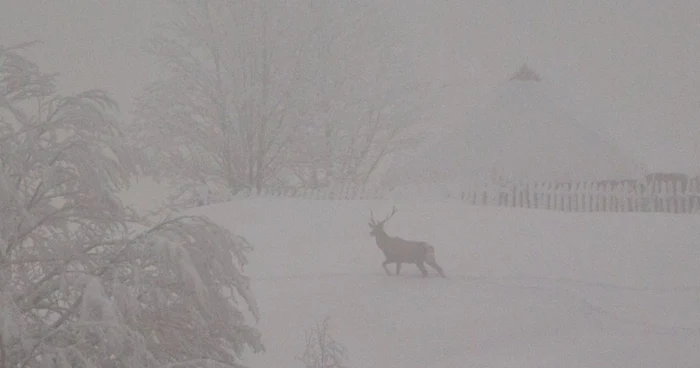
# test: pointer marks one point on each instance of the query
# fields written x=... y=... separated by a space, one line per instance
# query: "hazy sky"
x=631 y=69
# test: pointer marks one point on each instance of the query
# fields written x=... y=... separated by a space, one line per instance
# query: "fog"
x=259 y=183
x=629 y=67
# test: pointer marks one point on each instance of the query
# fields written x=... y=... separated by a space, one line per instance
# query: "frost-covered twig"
x=322 y=350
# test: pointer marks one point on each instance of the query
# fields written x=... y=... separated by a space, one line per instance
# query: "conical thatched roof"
x=521 y=132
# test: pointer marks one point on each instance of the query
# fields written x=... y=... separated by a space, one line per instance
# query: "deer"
x=398 y=250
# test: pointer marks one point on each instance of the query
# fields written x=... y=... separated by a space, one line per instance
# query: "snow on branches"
x=84 y=281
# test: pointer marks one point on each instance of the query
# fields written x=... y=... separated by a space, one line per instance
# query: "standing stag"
x=397 y=250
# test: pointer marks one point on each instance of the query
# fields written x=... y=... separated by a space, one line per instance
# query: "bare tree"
x=349 y=145
x=322 y=350
x=226 y=109
x=258 y=94
x=364 y=98
x=84 y=281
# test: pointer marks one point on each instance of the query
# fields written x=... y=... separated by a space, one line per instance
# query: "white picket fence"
x=657 y=196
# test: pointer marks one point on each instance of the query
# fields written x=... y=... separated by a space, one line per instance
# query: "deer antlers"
x=375 y=223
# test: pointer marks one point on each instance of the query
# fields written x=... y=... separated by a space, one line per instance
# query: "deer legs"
x=421 y=267
x=398 y=267
x=437 y=268
x=385 y=268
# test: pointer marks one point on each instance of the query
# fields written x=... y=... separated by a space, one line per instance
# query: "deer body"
x=398 y=250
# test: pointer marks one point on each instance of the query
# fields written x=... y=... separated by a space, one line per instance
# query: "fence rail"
x=589 y=197
x=641 y=196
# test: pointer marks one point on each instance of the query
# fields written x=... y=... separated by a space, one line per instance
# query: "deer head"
x=378 y=227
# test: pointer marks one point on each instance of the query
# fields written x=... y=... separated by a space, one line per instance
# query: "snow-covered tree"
x=84 y=281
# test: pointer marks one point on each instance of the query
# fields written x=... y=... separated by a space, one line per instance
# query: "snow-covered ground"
x=525 y=288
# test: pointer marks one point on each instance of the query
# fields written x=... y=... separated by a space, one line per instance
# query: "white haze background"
x=629 y=68
x=525 y=288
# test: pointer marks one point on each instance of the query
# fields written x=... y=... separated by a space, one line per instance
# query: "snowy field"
x=525 y=288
